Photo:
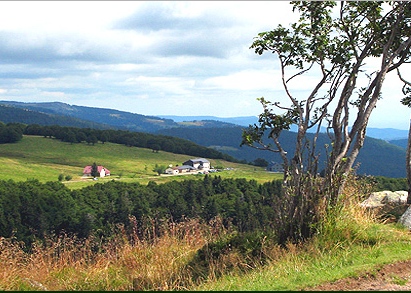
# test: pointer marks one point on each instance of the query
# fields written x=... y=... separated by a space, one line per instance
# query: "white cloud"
x=146 y=57
x=244 y=80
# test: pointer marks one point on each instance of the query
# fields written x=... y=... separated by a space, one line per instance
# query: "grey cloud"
x=210 y=34
x=199 y=44
x=24 y=49
x=155 y=16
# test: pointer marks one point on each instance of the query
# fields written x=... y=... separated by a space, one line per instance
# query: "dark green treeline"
x=30 y=210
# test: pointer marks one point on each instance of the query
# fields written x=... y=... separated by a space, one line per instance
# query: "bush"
x=237 y=251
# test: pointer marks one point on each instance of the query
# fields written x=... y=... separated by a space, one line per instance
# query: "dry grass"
x=166 y=256
x=125 y=262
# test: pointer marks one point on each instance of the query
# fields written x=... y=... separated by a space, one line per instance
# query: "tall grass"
x=193 y=255
x=350 y=240
x=127 y=261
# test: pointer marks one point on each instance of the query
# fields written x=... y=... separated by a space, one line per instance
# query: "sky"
x=152 y=58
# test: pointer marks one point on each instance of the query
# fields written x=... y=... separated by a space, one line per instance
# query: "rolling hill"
x=377 y=157
x=224 y=136
x=400 y=142
x=71 y=115
x=43 y=159
x=114 y=118
x=10 y=114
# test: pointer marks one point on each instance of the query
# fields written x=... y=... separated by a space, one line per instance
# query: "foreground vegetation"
x=189 y=233
x=194 y=254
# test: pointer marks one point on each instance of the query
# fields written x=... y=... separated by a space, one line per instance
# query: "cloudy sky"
x=151 y=58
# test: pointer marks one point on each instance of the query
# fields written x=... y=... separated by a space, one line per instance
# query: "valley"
x=36 y=157
x=228 y=217
x=223 y=135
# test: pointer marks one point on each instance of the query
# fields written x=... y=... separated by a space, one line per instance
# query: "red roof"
x=87 y=170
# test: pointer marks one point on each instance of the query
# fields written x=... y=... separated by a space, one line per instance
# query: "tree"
x=91 y=139
x=155 y=148
x=104 y=136
x=260 y=162
x=159 y=169
x=81 y=136
x=407 y=101
x=94 y=170
x=70 y=137
x=333 y=43
x=10 y=134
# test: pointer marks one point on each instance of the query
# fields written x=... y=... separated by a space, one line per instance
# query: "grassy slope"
x=355 y=245
x=299 y=272
x=44 y=159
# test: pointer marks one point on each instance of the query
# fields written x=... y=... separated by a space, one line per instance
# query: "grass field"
x=36 y=157
x=350 y=242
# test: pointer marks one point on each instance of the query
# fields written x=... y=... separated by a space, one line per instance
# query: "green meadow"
x=351 y=242
x=44 y=159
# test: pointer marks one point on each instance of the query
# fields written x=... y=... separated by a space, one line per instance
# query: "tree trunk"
x=408 y=164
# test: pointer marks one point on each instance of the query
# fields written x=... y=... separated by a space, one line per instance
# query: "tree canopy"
x=346 y=49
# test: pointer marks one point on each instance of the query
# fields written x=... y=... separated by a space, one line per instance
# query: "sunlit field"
x=44 y=159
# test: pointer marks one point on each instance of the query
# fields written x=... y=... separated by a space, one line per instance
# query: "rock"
x=397 y=197
x=387 y=204
x=406 y=218
x=382 y=198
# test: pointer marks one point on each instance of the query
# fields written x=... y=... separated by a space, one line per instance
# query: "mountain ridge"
x=150 y=123
x=223 y=136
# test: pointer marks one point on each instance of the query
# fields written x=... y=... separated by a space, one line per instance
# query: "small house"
x=199 y=164
x=172 y=171
x=186 y=169
x=100 y=169
x=275 y=167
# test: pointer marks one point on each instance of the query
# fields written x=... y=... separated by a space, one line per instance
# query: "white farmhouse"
x=200 y=164
x=172 y=171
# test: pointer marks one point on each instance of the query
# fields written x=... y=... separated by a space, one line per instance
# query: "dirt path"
x=391 y=277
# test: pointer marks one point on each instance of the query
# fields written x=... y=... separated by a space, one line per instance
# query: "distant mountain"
x=399 y=142
x=9 y=114
x=387 y=133
x=377 y=157
x=242 y=121
x=380 y=133
x=114 y=118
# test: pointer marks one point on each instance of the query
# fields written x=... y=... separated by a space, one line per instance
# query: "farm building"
x=172 y=171
x=275 y=167
x=100 y=169
x=199 y=164
x=180 y=169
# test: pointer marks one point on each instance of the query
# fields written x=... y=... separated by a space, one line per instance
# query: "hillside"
x=40 y=158
x=379 y=133
x=9 y=114
x=242 y=121
x=220 y=135
x=390 y=160
x=400 y=142
x=64 y=114
x=115 y=118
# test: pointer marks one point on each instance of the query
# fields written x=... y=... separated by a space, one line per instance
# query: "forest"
x=30 y=210
x=13 y=132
